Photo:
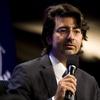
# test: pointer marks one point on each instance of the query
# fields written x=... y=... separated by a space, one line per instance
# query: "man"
x=41 y=79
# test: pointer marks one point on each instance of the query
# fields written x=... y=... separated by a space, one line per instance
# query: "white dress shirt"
x=58 y=67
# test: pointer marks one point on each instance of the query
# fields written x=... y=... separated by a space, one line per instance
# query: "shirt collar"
x=58 y=67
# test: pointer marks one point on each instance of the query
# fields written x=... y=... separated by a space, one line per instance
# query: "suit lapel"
x=48 y=76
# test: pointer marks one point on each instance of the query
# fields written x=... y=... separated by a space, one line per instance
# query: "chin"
x=70 y=52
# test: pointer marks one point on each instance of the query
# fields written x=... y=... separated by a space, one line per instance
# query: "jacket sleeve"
x=19 y=83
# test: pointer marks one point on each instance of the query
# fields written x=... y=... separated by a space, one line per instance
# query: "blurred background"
x=25 y=18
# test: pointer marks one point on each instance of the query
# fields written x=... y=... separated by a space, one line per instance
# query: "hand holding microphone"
x=71 y=71
x=67 y=85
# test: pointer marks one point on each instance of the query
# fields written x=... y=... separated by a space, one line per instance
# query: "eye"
x=62 y=30
x=77 y=31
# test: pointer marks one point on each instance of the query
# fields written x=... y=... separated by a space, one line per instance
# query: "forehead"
x=65 y=21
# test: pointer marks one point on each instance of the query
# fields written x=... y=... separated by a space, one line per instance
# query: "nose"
x=70 y=35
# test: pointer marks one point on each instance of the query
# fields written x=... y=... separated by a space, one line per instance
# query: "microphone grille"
x=72 y=69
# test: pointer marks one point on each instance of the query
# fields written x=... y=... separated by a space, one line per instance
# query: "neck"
x=62 y=58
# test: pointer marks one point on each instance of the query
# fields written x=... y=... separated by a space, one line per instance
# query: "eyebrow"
x=66 y=27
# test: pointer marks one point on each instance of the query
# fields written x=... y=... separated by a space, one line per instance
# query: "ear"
x=49 y=40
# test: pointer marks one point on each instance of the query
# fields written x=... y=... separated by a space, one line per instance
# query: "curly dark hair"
x=61 y=10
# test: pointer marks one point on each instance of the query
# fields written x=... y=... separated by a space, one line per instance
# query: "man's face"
x=67 y=37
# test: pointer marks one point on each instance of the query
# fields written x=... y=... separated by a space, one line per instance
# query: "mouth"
x=69 y=46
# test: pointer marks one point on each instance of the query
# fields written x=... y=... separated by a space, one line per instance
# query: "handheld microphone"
x=71 y=70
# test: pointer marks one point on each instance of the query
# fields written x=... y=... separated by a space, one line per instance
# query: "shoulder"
x=34 y=62
x=33 y=65
x=84 y=76
x=29 y=69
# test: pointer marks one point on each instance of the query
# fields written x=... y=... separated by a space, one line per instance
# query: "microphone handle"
x=68 y=95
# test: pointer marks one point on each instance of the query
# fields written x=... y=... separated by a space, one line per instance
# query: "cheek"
x=58 y=42
x=79 y=42
x=58 y=38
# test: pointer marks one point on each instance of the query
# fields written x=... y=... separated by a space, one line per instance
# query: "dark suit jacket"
x=35 y=80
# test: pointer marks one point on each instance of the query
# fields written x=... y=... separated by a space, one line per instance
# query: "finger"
x=70 y=89
x=71 y=85
x=70 y=80
x=70 y=76
x=64 y=86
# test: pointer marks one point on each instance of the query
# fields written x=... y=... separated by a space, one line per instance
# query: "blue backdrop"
x=7 y=41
